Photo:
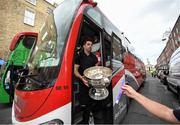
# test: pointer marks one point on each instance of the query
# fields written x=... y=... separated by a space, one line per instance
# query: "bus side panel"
x=56 y=114
x=129 y=63
x=119 y=101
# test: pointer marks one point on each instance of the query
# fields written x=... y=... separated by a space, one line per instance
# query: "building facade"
x=172 y=44
x=20 y=16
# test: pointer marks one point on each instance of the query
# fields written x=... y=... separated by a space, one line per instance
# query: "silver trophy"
x=99 y=78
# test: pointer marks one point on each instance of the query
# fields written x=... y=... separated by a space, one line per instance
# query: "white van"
x=173 y=78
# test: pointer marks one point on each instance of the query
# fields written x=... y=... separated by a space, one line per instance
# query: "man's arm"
x=153 y=107
x=78 y=75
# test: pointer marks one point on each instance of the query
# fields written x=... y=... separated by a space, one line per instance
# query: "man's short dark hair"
x=88 y=39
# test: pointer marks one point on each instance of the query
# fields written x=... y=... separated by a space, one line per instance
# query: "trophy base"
x=98 y=93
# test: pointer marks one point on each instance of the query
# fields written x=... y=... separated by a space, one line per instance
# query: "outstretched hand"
x=129 y=91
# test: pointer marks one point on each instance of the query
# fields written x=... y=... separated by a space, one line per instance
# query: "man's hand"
x=129 y=91
x=85 y=81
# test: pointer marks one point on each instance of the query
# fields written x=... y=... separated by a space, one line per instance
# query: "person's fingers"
x=124 y=87
x=127 y=86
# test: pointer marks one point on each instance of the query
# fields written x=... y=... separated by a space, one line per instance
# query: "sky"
x=143 y=22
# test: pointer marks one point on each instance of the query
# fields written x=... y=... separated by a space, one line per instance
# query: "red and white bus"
x=50 y=91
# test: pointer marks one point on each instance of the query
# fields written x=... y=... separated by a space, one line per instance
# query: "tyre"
x=168 y=88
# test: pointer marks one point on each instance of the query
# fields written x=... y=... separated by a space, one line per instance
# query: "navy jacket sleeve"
x=176 y=113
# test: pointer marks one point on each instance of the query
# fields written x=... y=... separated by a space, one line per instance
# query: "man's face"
x=88 y=46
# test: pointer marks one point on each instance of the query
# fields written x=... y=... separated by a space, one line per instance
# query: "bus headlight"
x=53 y=122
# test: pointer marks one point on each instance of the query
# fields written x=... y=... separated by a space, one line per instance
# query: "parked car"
x=159 y=72
x=173 y=78
x=163 y=71
x=163 y=76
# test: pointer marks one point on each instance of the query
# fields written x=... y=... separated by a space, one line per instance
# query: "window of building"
x=32 y=1
x=29 y=17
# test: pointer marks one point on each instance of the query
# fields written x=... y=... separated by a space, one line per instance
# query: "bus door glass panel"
x=96 y=49
x=117 y=53
x=107 y=52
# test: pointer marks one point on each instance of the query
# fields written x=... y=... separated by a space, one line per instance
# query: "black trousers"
x=85 y=102
x=98 y=108
x=86 y=114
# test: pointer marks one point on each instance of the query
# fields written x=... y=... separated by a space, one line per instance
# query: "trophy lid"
x=97 y=72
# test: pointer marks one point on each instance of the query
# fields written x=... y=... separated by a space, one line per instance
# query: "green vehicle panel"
x=21 y=49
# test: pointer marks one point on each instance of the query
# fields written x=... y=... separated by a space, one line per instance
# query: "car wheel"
x=165 y=81
x=168 y=87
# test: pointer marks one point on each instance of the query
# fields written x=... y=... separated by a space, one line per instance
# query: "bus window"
x=28 y=41
x=94 y=15
x=45 y=61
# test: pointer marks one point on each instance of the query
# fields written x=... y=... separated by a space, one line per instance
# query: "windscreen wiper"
x=30 y=75
x=31 y=78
